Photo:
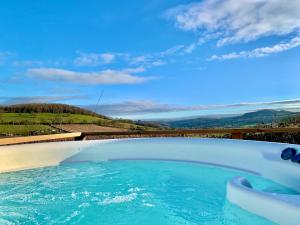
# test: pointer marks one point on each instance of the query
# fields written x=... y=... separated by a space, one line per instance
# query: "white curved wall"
x=258 y=157
x=28 y=156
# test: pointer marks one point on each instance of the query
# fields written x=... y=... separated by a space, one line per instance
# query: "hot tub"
x=148 y=181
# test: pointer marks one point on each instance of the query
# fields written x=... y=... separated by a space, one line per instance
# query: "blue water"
x=125 y=192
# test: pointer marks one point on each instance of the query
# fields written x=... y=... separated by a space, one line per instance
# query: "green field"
x=15 y=124
x=62 y=118
x=25 y=130
x=47 y=118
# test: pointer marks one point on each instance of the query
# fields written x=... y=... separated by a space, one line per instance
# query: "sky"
x=145 y=59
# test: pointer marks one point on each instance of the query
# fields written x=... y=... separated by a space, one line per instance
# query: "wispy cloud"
x=21 y=63
x=146 y=107
x=134 y=70
x=171 y=51
x=37 y=99
x=202 y=40
x=30 y=63
x=243 y=20
x=260 y=52
x=156 y=58
x=133 y=107
x=147 y=60
x=87 y=78
x=291 y=102
x=94 y=59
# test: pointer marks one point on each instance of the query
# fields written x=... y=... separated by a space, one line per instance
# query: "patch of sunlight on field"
x=21 y=130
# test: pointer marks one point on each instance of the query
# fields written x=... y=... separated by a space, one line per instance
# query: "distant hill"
x=34 y=119
x=266 y=116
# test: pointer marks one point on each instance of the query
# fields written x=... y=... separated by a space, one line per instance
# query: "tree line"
x=47 y=108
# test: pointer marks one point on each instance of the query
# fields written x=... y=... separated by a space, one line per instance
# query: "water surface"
x=125 y=192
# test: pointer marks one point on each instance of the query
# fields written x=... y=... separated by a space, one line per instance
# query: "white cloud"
x=31 y=63
x=171 y=51
x=158 y=63
x=88 y=78
x=107 y=57
x=38 y=99
x=157 y=58
x=93 y=59
x=27 y=63
x=139 y=60
x=203 y=39
x=147 y=106
x=239 y=20
x=260 y=52
x=134 y=107
x=145 y=61
x=134 y=70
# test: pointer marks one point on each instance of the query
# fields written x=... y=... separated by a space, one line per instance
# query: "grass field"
x=46 y=118
x=25 y=130
x=16 y=124
x=88 y=128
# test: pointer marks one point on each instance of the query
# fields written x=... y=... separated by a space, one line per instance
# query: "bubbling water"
x=125 y=192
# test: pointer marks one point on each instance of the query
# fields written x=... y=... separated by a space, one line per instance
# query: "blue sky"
x=152 y=59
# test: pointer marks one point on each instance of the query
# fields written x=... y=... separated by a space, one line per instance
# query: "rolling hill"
x=32 y=119
x=266 y=116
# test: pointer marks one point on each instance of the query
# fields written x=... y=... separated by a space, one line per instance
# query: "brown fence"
x=236 y=133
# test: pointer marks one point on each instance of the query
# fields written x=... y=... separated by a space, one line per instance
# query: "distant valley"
x=266 y=116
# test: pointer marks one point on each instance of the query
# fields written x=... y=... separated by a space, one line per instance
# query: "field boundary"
x=236 y=133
